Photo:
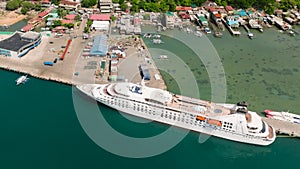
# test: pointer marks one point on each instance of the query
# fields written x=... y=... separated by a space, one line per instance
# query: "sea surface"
x=40 y=126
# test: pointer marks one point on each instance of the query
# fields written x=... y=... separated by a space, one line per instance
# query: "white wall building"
x=105 y=6
x=100 y=25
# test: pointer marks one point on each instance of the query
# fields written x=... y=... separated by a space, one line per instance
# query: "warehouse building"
x=19 y=44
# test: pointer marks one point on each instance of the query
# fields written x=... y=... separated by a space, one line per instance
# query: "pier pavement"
x=284 y=127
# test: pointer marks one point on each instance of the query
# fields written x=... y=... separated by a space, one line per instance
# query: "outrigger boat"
x=21 y=79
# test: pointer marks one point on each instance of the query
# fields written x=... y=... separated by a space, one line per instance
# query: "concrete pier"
x=233 y=32
x=284 y=127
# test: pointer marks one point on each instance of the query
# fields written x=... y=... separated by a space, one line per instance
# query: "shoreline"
x=35 y=75
x=8 y=20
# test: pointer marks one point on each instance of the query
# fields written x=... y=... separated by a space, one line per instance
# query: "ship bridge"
x=143 y=93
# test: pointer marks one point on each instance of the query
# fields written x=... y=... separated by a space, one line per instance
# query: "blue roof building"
x=243 y=13
x=99 y=46
x=145 y=72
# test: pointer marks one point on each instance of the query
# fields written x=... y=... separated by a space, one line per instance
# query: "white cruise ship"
x=228 y=121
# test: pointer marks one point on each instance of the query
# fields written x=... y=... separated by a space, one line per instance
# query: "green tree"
x=55 y=2
x=123 y=6
x=287 y=4
x=85 y=3
x=77 y=18
x=113 y=18
x=88 y=3
x=172 y=5
x=28 y=5
x=89 y=23
x=24 y=10
x=69 y=25
x=163 y=6
x=38 y=7
x=186 y=3
x=13 y=4
x=86 y=30
x=62 y=12
x=57 y=23
x=134 y=8
x=141 y=5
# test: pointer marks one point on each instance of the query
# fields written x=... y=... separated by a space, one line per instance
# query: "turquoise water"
x=39 y=125
x=14 y=27
x=263 y=71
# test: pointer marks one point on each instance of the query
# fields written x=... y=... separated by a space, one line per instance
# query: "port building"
x=19 y=43
x=99 y=47
x=168 y=20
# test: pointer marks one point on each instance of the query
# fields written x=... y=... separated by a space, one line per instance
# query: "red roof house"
x=42 y=14
x=64 y=21
x=70 y=16
x=210 y=9
x=181 y=8
x=69 y=4
x=229 y=8
x=27 y=28
x=185 y=16
x=100 y=17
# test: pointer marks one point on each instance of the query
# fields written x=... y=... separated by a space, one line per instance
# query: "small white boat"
x=207 y=30
x=250 y=35
x=292 y=33
x=157 y=41
x=198 y=34
x=147 y=35
x=163 y=57
x=21 y=79
x=156 y=36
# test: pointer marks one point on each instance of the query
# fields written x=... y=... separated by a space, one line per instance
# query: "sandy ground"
x=10 y=18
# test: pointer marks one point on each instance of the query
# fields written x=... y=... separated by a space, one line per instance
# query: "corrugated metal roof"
x=99 y=45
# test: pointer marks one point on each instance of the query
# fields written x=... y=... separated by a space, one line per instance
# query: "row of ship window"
x=143 y=108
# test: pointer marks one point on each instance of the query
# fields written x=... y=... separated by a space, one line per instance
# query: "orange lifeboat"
x=201 y=118
x=214 y=122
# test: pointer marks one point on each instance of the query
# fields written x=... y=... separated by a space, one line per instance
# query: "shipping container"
x=120 y=78
x=48 y=63
x=102 y=64
x=85 y=54
x=113 y=68
x=114 y=62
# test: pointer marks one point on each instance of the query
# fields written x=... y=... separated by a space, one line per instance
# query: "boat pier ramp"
x=295 y=31
x=246 y=28
x=284 y=127
x=233 y=32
